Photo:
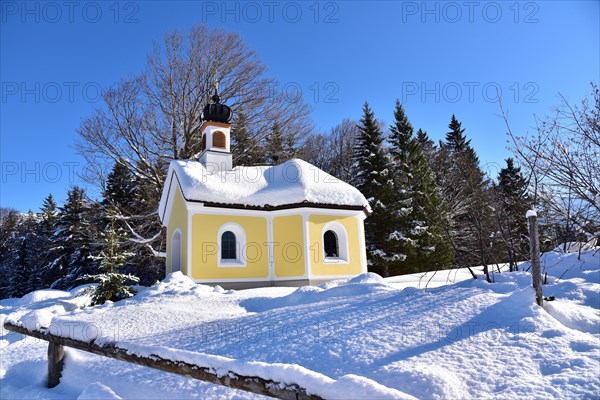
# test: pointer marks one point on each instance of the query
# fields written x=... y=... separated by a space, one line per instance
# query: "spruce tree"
x=119 y=190
x=245 y=148
x=24 y=275
x=21 y=274
x=113 y=285
x=465 y=190
x=457 y=143
x=511 y=194
x=49 y=212
x=49 y=218
x=9 y=223
x=275 y=145
x=375 y=180
x=418 y=212
x=427 y=146
x=73 y=240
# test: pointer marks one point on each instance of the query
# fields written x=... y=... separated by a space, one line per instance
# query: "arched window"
x=218 y=140
x=176 y=251
x=228 y=246
x=203 y=143
x=335 y=243
x=232 y=245
x=332 y=248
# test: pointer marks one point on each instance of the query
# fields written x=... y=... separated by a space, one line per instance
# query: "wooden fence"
x=252 y=384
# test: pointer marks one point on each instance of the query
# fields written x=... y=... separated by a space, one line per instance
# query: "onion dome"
x=216 y=111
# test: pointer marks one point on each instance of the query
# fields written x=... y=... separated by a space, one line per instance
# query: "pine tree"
x=21 y=274
x=511 y=194
x=417 y=210
x=9 y=223
x=24 y=275
x=112 y=284
x=427 y=146
x=275 y=149
x=374 y=179
x=73 y=240
x=400 y=209
x=49 y=212
x=465 y=189
x=49 y=218
x=120 y=187
x=245 y=148
x=456 y=141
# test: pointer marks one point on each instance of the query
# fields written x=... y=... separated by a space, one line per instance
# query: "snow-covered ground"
x=428 y=336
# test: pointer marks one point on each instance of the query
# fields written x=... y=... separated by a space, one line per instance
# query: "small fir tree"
x=113 y=286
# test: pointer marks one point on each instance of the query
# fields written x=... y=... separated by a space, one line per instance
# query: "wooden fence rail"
x=253 y=384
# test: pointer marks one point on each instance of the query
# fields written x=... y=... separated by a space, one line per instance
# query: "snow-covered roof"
x=293 y=182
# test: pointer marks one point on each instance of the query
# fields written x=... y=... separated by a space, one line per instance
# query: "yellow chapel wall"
x=177 y=220
x=288 y=246
x=205 y=247
x=351 y=224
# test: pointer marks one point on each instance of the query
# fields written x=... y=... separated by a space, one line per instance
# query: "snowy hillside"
x=362 y=338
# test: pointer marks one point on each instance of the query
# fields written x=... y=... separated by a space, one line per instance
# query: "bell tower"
x=215 y=153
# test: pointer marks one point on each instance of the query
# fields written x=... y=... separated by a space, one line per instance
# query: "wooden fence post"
x=56 y=355
x=534 y=244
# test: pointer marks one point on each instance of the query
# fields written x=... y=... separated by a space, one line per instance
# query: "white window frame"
x=342 y=237
x=240 y=245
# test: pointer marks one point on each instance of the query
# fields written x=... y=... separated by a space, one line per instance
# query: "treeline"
x=65 y=246
x=433 y=205
x=433 y=208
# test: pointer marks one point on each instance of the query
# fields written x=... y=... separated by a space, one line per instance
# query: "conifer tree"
x=113 y=285
x=511 y=194
x=73 y=240
x=23 y=279
x=47 y=228
x=21 y=275
x=427 y=146
x=245 y=148
x=374 y=179
x=275 y=149
x=457 y=143
x=119 y=190
x=49 y=212
x=465 y=191
x=418 y=212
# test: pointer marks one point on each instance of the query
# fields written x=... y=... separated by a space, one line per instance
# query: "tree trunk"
x=536 y=270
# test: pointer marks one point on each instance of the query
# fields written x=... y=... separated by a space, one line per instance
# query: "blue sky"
x=439 y=58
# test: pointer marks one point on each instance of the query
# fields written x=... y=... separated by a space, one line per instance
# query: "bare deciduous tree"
x=153 y=118
x=333 y=152
x=561 y=160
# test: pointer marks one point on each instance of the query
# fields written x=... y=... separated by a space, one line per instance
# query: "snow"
x=96 y=391
x=531 y=213
x=292 y=182
x=433 y=335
